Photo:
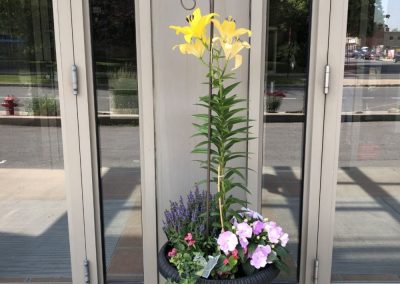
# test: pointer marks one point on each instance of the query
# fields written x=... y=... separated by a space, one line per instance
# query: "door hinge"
x=74 y=79
x=316 y=270
x=86 y=275
x=327 y=79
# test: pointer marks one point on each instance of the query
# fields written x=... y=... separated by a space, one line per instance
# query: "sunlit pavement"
x=34 y=240
x=33 y=220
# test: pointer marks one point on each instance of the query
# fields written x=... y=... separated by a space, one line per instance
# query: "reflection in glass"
x=34 y=243
x=284 y=116
x=114 y=49
x=367 y=222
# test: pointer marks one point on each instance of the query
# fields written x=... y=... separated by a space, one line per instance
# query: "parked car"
x=396 y=58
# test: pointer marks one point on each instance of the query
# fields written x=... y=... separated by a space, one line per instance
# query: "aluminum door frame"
x=65 y=55
x=331 y=138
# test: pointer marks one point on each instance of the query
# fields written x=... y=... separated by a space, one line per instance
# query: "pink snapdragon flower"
x=188 y=237
x=227 y=242
x=235 y=254
x=260 y=256
x=172 y=252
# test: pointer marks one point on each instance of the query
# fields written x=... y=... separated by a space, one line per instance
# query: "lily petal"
x=238 y=61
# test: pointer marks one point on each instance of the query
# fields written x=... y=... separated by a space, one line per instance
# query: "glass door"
x=113 y=34
x=285 y=111
x=41 y=212
x=361 y=219
x=366 y=245
x=34 y=241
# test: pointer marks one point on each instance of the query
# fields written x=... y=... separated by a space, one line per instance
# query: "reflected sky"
x=392 y=7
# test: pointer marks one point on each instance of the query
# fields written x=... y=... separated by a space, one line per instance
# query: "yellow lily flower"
x=228 y=31
x=197 y=26
x=229 y=38
x=197 y=48
x=232 y=51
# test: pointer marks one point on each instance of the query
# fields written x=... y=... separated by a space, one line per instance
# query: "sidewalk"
x=34 y=240
x=367 y=219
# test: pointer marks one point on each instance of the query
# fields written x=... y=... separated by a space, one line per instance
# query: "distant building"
x=392 y=40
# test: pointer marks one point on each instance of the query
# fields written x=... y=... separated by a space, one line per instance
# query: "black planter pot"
x=263 y=276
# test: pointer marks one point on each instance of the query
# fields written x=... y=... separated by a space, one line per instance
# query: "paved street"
x=362 y=144
x=354 y=98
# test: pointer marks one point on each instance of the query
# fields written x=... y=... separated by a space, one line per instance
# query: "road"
x=362 y=144
x=354 y=98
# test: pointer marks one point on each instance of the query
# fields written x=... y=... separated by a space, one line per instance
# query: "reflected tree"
x=366 y=21
x=291 y=19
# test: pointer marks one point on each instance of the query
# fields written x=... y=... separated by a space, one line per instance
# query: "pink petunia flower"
x=258 y=227
x=227 y=241
x=243 y=230
x=284 y=239
x=274 y=232
x=252 y=214
x=244 y=242
x=260 y=256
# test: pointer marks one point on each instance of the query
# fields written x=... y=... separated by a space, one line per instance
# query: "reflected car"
x=396 y=58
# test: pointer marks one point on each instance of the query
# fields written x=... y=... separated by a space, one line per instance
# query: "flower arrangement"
x=208 y=237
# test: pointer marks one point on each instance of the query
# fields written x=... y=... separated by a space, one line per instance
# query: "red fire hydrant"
x=10 y=103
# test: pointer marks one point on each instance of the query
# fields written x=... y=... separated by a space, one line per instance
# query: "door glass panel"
x=367 y=222
x=115 y=69
x=34 y=243
x=284 y=120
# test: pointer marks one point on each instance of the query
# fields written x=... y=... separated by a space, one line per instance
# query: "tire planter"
x=263 y=276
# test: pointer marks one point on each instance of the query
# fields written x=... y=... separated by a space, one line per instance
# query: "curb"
x=133 y=120
x=55 y=121
x=346 y=117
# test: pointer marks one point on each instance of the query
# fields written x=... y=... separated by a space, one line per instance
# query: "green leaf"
x=232 y=171
x=282 y=266
x=248 y=268
x=281 y=251
x=228 y=89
